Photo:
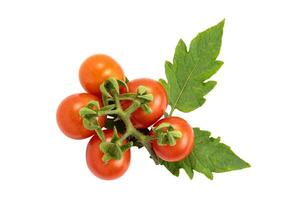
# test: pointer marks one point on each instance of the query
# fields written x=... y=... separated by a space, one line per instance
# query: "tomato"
x=140 y=118
x=111 y=170
x=96 y=69
x=68 y=118
x=183 y=145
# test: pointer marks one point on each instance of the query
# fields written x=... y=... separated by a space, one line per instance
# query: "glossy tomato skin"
x=68 y=118
x=139 y=118
x=114 y=168
x=96 y=69
x=184 y=145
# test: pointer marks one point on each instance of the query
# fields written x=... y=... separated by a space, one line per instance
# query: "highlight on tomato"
x=96 y=69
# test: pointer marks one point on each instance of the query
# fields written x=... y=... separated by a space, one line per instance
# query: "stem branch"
x=152 y=154
x=125 y=117
x=100 y=133
x=133 y=107
x=171 y=112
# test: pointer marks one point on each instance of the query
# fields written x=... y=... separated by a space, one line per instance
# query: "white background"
x=254 y=108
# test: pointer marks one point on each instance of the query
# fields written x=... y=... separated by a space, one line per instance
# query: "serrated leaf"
x=208 y=155
x=187 y=76
x=166 y=87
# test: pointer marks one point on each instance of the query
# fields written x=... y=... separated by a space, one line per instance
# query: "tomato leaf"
x=208 y=155
x=187 y=76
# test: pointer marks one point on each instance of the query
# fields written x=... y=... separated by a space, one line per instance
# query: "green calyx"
x=112 y=86
x=111 y=97
x=113 y=149
x=143 y=95
x=144 y=98
x=166 y=135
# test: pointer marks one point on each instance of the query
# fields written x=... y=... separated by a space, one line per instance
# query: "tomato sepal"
x=110 y=151
x=113 y=149
x=166 y=135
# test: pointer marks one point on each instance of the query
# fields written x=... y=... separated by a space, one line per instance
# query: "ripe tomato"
x=183 y=145
x=139 y=118
x=68 y=118
x=114 y=168
x=96 y=69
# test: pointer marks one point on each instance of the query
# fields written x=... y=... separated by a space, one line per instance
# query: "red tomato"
x=139 y=118
x=184 y=145
x=68 y=118
x=96 y=69
x=114 y=168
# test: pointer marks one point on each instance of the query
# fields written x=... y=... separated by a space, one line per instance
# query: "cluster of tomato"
x=93 y=72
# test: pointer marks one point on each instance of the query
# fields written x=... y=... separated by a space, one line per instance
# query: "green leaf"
x=187 y=76
x=208 y=156
x=164 y=84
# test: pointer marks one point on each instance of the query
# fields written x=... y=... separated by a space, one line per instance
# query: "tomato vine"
x=119 y=113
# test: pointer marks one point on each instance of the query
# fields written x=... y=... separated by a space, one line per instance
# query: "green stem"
x=171 y=112
x=123 y=98
x=100 y=133
x=117 y=102
x=130 y=130
x=133 y=107
x=124 y=136
x=125 y=117
x=151 y=152
x=110 y=112
x=150 y=138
